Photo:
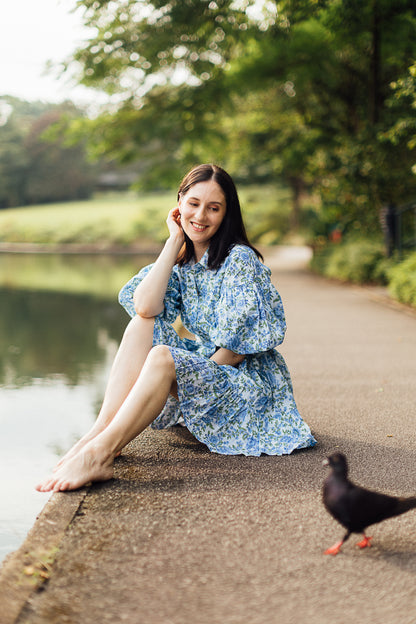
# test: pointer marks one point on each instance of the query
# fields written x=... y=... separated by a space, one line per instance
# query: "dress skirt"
x=248 y=409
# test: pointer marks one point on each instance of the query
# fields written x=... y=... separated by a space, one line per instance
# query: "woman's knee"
x=161 y=356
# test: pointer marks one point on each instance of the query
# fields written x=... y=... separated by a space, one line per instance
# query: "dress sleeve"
x=172 y=300
x=249 y=317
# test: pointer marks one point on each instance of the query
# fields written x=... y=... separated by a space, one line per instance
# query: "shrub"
x=357 y=261
x=402 y=280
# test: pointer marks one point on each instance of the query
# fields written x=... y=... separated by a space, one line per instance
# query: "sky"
x=33 y=32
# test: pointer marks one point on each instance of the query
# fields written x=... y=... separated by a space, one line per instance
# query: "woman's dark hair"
x=231 y=231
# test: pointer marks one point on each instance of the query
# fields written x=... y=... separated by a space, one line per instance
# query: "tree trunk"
x=375 y=98
x=298 y=186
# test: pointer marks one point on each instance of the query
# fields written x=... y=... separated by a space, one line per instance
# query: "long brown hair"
x=231 y=231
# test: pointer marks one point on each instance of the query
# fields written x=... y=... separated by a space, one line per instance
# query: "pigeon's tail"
x=405 y=504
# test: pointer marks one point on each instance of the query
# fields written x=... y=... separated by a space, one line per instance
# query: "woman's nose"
x=200 y=213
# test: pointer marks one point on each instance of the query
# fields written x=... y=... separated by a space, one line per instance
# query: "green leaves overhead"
x=138 y=45
x=311 y=91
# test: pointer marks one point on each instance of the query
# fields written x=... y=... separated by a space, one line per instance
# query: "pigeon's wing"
x=367 y=507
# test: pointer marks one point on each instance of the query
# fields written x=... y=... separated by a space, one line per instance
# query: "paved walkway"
x=184 y=536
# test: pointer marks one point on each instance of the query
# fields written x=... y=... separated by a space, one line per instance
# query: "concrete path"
x=184 y=536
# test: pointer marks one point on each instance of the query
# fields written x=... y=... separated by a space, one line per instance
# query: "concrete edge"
x=79 y=248
x=28 y=568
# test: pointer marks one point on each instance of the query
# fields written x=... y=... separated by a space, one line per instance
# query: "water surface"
x=56 y=350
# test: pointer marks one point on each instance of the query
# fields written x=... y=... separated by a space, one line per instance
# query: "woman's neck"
x=199 y=251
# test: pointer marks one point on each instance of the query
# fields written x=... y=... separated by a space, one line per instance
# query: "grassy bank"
x=127 y=218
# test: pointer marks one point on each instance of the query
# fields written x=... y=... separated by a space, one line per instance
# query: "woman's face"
x=202 y=210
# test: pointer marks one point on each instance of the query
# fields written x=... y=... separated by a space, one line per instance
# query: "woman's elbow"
x=146 y=311
x=238 y=358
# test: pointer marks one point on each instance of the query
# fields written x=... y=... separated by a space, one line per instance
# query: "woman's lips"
x=198 y=227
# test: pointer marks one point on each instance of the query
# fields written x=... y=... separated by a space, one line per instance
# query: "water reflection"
x=50 y=335
x=56 y=350
x=93 y=275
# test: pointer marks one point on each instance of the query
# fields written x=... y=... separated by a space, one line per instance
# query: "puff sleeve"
x=249 y=317
x=172 y=300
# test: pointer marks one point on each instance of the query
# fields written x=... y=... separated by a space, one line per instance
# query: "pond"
x=56 y=350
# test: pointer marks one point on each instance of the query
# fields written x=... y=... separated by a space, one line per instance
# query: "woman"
x=229 y=384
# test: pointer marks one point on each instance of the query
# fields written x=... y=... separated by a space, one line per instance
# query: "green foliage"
x=135 y=41
x=34 y=168
x=266 y=211
x=362 y=261
x=358 y=260
x=354 y=167
x=402 y=280
x=403 y=104
x=13 y=162
x=317 y=94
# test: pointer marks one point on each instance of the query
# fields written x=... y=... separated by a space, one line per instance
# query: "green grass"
x=120 y=218
x=127 y=218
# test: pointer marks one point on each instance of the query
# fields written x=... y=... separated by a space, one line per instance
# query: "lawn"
x=128 y=218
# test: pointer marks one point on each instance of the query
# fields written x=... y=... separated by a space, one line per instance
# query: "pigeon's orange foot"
x=334 y=550
x=366 y=541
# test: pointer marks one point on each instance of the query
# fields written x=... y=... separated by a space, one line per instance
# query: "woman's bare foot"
x=89 y=464
x=74 y=450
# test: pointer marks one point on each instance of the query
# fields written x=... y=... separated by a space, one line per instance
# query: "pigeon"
x=356 y=507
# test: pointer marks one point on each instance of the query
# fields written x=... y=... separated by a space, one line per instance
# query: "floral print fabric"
x=247 y=409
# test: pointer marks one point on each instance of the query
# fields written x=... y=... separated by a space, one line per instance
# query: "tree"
x=268 y=140
x=57 y=171
x=164 y=63
x=34 y=168
x=337 y=61
x=181 y=72
x=13 y=164
x=403 y=105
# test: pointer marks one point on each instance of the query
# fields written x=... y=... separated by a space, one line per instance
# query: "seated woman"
x=229 y=384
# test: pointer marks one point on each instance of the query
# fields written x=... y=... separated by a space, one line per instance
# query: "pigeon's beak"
x=325 y=462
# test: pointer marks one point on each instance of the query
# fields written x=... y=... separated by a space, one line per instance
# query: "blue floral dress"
x=247 y=409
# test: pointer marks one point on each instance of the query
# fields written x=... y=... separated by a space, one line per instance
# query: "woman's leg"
x=131 y=355
x=94 y=461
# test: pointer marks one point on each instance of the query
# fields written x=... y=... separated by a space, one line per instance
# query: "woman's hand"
x=149 y=295
x=225 y=356
x=174 y=224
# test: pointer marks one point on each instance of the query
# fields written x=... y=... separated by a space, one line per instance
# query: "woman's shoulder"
x=242 y=258
x=243 y=266
x=242 y=254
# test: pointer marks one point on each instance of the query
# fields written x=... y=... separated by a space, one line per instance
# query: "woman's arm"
x=149 y=294
x=225 y=356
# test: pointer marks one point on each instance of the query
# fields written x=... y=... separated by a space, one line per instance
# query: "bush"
x=402 y=280
x=357 y=261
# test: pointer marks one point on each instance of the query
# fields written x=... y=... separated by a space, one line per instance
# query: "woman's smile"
x=202 y=211
x=198 y=227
